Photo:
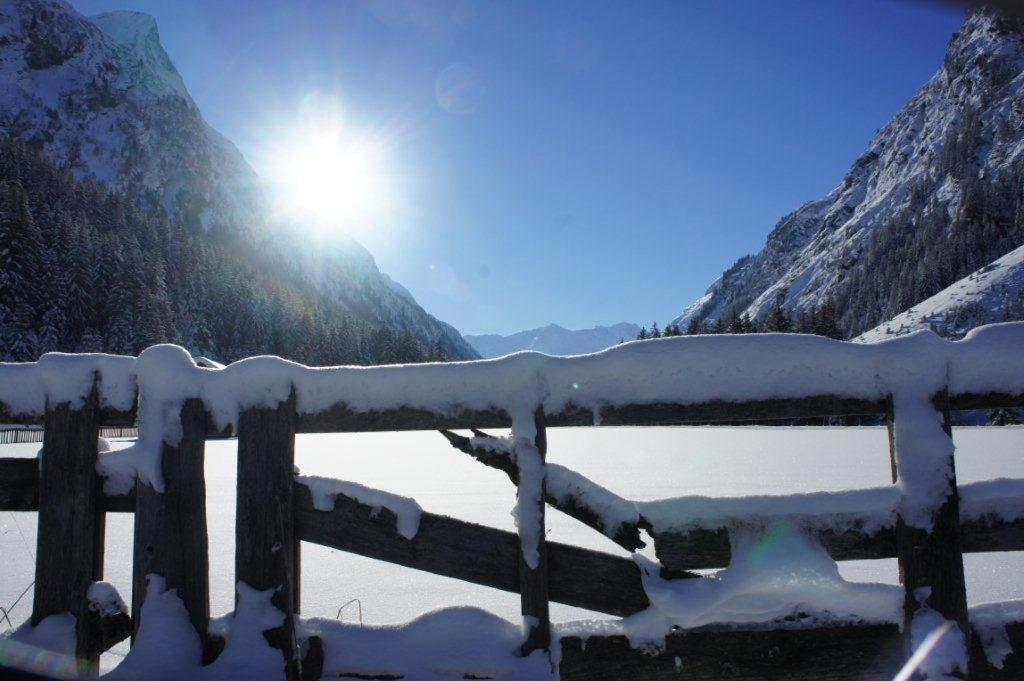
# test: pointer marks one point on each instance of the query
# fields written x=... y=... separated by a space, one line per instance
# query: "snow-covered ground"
x=636 y=463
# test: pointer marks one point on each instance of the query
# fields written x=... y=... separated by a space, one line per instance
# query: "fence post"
x=69 y=545
x=264 y=523
x=533 y=581
x=933 y=559
x=170 y=527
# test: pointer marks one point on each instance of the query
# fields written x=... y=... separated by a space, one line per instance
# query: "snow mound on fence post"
x=247 y=655
x=26 y=388
x=104 y=599
x=167 y=646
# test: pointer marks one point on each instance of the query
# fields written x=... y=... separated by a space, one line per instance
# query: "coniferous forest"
x=85 y=268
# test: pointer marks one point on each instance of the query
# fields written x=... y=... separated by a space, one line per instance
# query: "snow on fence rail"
x=924 y=520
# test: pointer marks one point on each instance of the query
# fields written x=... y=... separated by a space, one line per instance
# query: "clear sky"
x=573 y=162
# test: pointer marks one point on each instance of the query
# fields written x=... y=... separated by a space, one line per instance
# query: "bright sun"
x=329 y=175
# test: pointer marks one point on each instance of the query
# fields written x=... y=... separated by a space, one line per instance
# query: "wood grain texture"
x=69 y=545
x=107 y=631
x=473 y=553
x=19 y=484
x=19 y=488
x=264 y=524
x=869 y=652
x=170 y=527
x=533 y=580
x=932 y=559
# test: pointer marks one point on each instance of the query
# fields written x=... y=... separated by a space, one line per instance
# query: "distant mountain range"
x=937 y=195
x=554 y=340
x=100 y=101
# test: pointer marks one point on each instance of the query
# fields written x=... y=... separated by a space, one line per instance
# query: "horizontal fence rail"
x=267 y=401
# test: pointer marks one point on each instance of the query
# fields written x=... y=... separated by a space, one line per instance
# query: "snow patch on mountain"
x=103 y=97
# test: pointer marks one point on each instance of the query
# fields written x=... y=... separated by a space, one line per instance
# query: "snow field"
x=637 y=463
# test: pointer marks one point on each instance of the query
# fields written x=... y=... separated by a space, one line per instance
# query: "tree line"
x=821 y=321
x=86 y=268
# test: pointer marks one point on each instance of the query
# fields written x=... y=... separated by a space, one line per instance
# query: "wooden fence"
x=10 y=436
x=171 y=540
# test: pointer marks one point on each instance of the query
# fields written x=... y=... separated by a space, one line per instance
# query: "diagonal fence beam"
x=473 y=553
x=625 y=535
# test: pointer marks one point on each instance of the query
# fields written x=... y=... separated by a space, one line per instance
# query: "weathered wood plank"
x=19 y=484
x=69 y=544
x=107 y=631
x=105 y=416
x=837 y=653
x=19 y=488
x=533 y=579
x=701 y=549
x=342 y=419
x=264 y=521
x=932 y=559
x=473 y=553
x=170 y=527
x=985 y=401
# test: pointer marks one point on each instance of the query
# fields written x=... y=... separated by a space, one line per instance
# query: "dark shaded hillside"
x=100 y=97
x=83 y=268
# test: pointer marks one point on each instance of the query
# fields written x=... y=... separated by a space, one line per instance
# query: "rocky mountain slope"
x=938 y=194
x=554 y=340
x=100 y=97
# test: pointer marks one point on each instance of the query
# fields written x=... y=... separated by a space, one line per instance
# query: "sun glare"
x=332 y=179
x=327 y=176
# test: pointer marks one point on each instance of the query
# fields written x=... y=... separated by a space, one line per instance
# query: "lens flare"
x=327 y=175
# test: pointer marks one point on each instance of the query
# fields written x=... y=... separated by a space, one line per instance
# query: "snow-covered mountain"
x=100 y=96
x=995 y=293
x=554 y=340
x=938 y=194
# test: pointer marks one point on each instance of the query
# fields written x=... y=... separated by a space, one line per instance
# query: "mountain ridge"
x=553 y=340
x=935 y=196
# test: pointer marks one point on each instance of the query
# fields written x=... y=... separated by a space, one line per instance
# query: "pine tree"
x=826 y=322
x=735 y=322
x=778 y=320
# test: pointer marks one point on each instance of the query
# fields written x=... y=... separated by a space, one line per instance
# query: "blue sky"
x=573 y=162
